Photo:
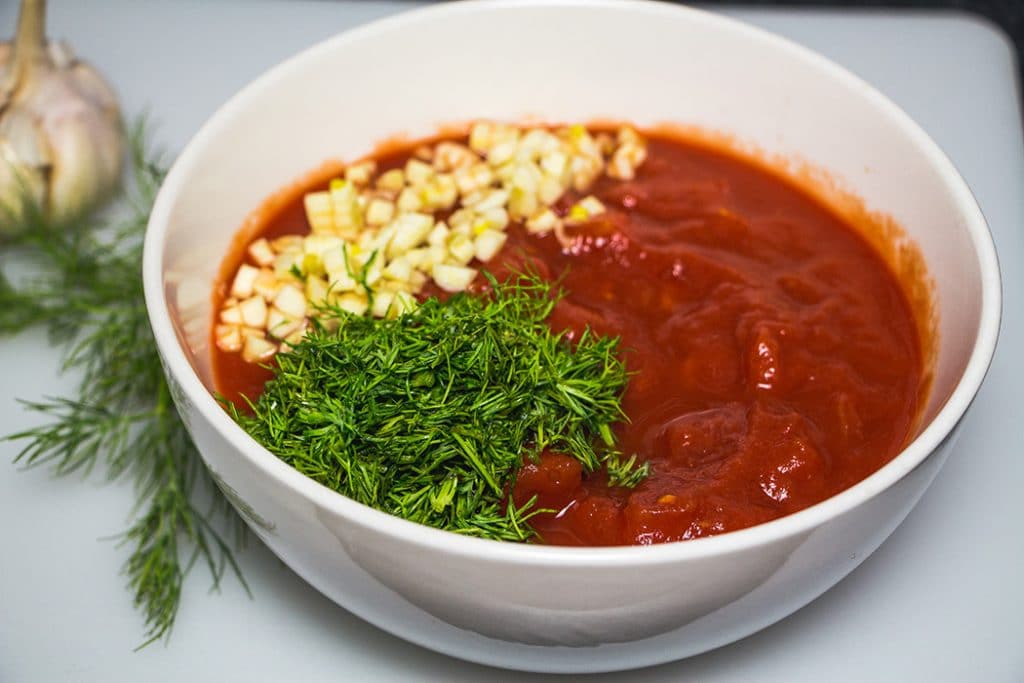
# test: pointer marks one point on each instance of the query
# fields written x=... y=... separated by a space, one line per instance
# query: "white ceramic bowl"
x=550 y=608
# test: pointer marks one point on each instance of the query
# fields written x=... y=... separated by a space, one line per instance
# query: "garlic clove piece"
x=61 y=139
x=20 y=130
x=24 y=158
x=86 y=154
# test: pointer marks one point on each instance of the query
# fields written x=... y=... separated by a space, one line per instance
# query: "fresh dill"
x=428 y=416
x=86 y=288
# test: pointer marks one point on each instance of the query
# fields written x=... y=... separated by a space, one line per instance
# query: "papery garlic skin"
x=61 y=136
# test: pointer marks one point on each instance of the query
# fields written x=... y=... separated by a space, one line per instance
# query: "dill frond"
x=85 y=285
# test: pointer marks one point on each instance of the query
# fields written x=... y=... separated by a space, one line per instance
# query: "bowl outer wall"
x=311 y=496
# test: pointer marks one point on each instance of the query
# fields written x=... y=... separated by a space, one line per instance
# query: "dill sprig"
x=85 y=285
x=429 y=416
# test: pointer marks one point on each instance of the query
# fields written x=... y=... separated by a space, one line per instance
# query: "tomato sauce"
x=775 y=357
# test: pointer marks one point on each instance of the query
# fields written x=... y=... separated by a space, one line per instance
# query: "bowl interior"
x=641 y=62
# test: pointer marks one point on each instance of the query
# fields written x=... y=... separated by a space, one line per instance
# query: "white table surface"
x=942 y=600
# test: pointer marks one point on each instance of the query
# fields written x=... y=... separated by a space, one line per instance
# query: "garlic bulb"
x=61 y=138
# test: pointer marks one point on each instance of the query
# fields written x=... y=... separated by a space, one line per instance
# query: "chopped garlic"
x=620 y=168
x=291 y=301
x=286 y=263
x=488 y=243
x=555 y=163
x=341 y=280
x=391 y=181
x=228 y=337
x=585 y=209
x=379 y=212
x=375 y=240
x=404 y=302
x=348 y=216
x=452 y=278
x=353 y=302
x=485 y=135
x=312 y=264
x=261 y=253
x=592 y=205
x=381 y=304
x=373 y=272
x=287 y=243
x=439 y=193
x=526 y=177
x=319 y=212
x=542 y=222
x=294 y=338
x=461 y=249
x=244 y=280
x=254 y=312
x=319 y=244
x=281 y=324
x=494 y=199
x=481 y=136
x=434 y=254
x=628 y=156
x=417 y=172
x=257 y=349
x=585 y=171
x=415 y=256
x=409 y=200
x=335 y=260
x=266 y=285
x=625 y=161
x=463 y=218
x=438 y=234
x=522 y=203
x=502 y=152
x=371 y=242
x=410 y=230
x=538 y=141
x=550 y=189
x=399 y=269
x=361 y=173
x=490 y=219
x=470 y=179
x=449 y=156
x=418 y=280
x=316 y=293
x=629 y=136
x=231 y=315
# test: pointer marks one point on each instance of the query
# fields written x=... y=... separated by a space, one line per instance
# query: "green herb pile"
x=428 y=416
x=85 y=286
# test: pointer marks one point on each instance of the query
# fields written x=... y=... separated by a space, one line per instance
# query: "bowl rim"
x=414 y=534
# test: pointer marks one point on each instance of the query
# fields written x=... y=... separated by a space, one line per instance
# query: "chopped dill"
x=428 y=416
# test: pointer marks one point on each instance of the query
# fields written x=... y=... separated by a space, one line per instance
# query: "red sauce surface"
x=776 y=358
